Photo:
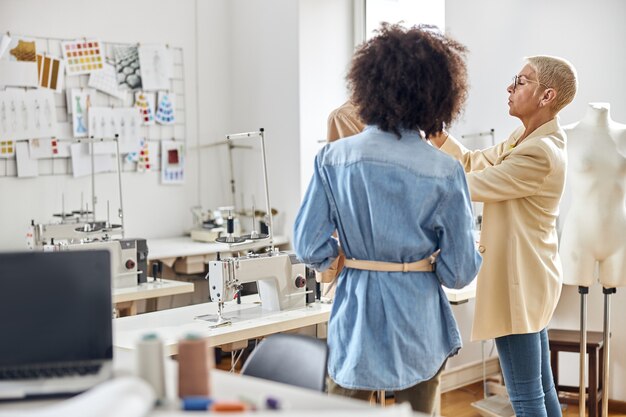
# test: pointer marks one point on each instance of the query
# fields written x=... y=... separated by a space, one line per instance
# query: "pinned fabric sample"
x=22 y=49
x=127 y=67
x=7 y=148
x=83 y=56
x=106 y=82
x=18 y=67
x=172 y=162
x=143 y=159
x=165 y=112
x=51 y=71
x=156 y=67
x=80 y=101
x=26 y=167
x=145 y=102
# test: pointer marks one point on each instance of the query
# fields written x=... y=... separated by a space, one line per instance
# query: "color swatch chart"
x=82 y=57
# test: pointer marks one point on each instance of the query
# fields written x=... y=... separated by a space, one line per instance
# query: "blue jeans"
x=525 y=363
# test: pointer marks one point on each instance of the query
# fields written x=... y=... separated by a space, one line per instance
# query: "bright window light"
x=410 y=12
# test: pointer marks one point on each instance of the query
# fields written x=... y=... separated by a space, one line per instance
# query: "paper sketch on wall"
x=81 y=161
x=165 y=112
x=50 y=72
x=26 y=166
x=145 y=102
x=172 y=162
x=18 y=66
x=106 y=81
x=156 y=67
x=107 y=122
x=127 y=67
x=7 y=148
x=83 y=56
x=27 y=114
x=81 y=100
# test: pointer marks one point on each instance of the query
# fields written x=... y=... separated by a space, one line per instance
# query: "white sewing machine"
x=280 y=276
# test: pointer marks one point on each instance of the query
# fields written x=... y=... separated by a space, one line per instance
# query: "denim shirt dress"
x=392 y=200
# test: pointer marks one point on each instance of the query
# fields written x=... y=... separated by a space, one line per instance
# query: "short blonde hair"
x=557 y=73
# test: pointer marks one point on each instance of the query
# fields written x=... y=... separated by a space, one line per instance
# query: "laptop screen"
x=55 y=307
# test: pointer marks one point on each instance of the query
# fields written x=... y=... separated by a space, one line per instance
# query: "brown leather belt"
x=423 y=265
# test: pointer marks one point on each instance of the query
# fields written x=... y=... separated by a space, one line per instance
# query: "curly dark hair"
x=409 y=79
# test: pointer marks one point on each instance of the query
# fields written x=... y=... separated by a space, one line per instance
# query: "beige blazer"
x=519 y=284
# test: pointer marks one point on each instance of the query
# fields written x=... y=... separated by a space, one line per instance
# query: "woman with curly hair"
x=400 y=207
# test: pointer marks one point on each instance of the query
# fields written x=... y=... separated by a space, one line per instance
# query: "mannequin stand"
x=606 y=336
x=583 y=291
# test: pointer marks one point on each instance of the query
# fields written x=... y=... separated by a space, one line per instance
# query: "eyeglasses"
x=517 y=79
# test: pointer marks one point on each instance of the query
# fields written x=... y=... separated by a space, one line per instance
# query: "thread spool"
x=151 y=364
x=195 y=360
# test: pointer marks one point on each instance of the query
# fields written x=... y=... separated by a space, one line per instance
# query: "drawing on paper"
x=165 y=111
x=127 y=67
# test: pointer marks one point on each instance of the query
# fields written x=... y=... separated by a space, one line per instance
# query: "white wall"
x=152 y=210
x=591 y=35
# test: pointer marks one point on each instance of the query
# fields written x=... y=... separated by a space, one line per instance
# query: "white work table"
x=224 y=387
x=125 y=299
x=183 y=246
x=249 y=322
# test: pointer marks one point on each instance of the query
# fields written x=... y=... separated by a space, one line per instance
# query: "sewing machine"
x=281 y=279
x=128 y=259
x=73 y=231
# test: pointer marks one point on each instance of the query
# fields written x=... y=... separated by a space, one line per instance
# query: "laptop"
x=55 y=322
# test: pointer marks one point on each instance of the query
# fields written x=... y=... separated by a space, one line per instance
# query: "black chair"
x=292 y=359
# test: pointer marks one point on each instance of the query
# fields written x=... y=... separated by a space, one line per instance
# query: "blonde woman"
x=521 y=181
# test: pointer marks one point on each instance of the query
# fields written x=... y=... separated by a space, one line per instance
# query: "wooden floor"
x=457 y=403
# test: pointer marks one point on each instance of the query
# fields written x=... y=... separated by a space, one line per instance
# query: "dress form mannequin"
x=595 y=226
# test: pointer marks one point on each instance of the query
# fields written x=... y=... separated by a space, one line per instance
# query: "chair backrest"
x=292 y=359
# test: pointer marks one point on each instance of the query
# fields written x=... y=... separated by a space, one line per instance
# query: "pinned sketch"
x=50 y=72
x=156 y=67
x=145 y=102
x=106 y=82
x=26 y=166
x=27 y=114
x=83 y=56
x=81 y=161
x=172 y=162
x=81 y=100
x=127 y=67
x=165 y=111
x=106 y=122
x=7 y=148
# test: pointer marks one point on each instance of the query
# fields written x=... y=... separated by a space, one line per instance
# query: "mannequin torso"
x=595 y=227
